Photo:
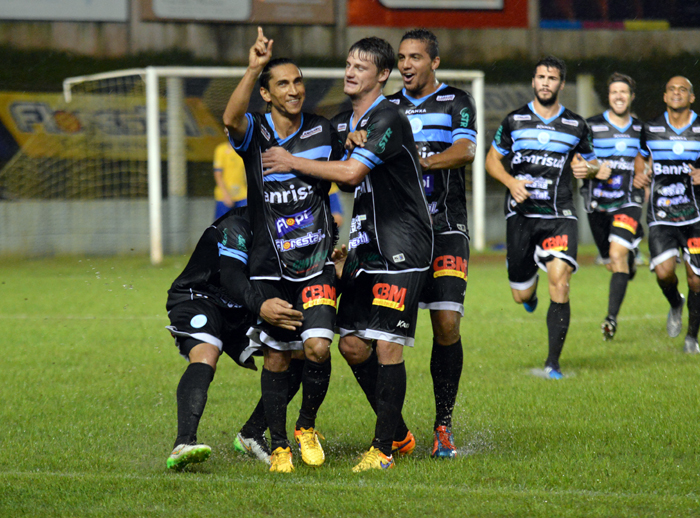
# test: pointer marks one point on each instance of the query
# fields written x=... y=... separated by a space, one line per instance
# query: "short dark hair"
x=425 y=36
x=617 y=77
x=552 y=62
x=266 y=74
x=376 y=50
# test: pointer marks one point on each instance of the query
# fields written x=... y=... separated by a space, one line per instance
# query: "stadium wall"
x=120 y=227
x=230 y=43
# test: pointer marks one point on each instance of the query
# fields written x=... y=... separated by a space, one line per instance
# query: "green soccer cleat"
x=185 y=454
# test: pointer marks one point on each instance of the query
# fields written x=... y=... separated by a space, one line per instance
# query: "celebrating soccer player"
x=673 y=141
x=443 y=120
x=210 y=306
x=613 y=203
x=293 y=235
x=390 y=239
x=544 y=143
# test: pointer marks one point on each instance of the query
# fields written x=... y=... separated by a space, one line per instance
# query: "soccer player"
x=229 y=175
x=210 y=306
x=544 y=143
x=293 y=236
x=673 y=142
x=390 y=241
x=613 y=203
x=443 y=120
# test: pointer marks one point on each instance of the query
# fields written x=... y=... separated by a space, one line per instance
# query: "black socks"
x=315 y=385
x=191 y=400
x=558 y=317
x=391 y=391
x=618 y=287
x=446 y=370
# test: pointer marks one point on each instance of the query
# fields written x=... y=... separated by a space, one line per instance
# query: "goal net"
x=122 y=162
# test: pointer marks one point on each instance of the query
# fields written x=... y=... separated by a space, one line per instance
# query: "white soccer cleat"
x=255 y=446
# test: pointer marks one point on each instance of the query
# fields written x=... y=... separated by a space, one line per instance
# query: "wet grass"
x=88 y=409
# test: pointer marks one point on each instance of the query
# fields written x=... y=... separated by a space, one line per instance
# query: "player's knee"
x=317 y=349
x=354 y=351
x=276 y=361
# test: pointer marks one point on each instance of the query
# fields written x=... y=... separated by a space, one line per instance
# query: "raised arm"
x=234 y=114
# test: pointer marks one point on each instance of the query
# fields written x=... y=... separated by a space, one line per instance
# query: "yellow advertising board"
x=98 y=125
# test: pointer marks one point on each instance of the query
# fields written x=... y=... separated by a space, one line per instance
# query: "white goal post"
x=467 y=79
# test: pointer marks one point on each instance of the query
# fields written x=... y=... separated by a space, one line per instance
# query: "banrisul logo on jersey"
x=293 y=222
x=464 y=118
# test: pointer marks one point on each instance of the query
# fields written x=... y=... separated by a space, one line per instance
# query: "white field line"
x=83 y=317
x=532 y=320
x=343 y=484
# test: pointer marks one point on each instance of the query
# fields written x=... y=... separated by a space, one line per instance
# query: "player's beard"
x=547 y=102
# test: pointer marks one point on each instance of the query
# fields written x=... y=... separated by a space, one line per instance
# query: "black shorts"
x=533 y=242
x=381 y=306
x=315 y=298
x=202 y=321
x=621 y=226
x=665 y=240
x=446 y=281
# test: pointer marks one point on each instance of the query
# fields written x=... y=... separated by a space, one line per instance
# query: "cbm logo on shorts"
x=450 y=266
x=624 y=221
x=389 y=296
x=694 y=245
x=556 y=243
x=293 y=222
x=318 y=295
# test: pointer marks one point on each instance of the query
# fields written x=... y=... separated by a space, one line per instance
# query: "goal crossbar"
x=151 y=76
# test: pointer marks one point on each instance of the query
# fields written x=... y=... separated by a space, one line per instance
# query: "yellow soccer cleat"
x=281 y=460
x=311 y=451
x=374 y=459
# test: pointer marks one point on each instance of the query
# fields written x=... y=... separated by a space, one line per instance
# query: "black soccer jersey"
x=390 y=229
x=438 y=120
x=673 y=151
x=540 y=151
x=619 y=147
x=223 y=247
x=289 y=212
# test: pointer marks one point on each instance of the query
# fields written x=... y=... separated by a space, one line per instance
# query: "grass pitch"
x=88 y=410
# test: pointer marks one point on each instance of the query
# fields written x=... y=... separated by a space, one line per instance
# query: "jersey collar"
x=352 y=125
x=618 y=128
x=531 y=105
x=418 y=102
x=693 y=116
x=280 y=141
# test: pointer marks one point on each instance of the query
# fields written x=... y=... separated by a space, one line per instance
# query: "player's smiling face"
x=287 y=91
x=620 y=98
x=362 y=75
x=679 y=94
x=547 y=84
x=416 y=67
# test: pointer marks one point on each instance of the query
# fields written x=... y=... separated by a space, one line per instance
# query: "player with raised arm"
x=613 y=203
x=443 y=120
x=544 y=143
x=673 y=142
x=390 y=241
x=293 y=236
x=211 y=306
